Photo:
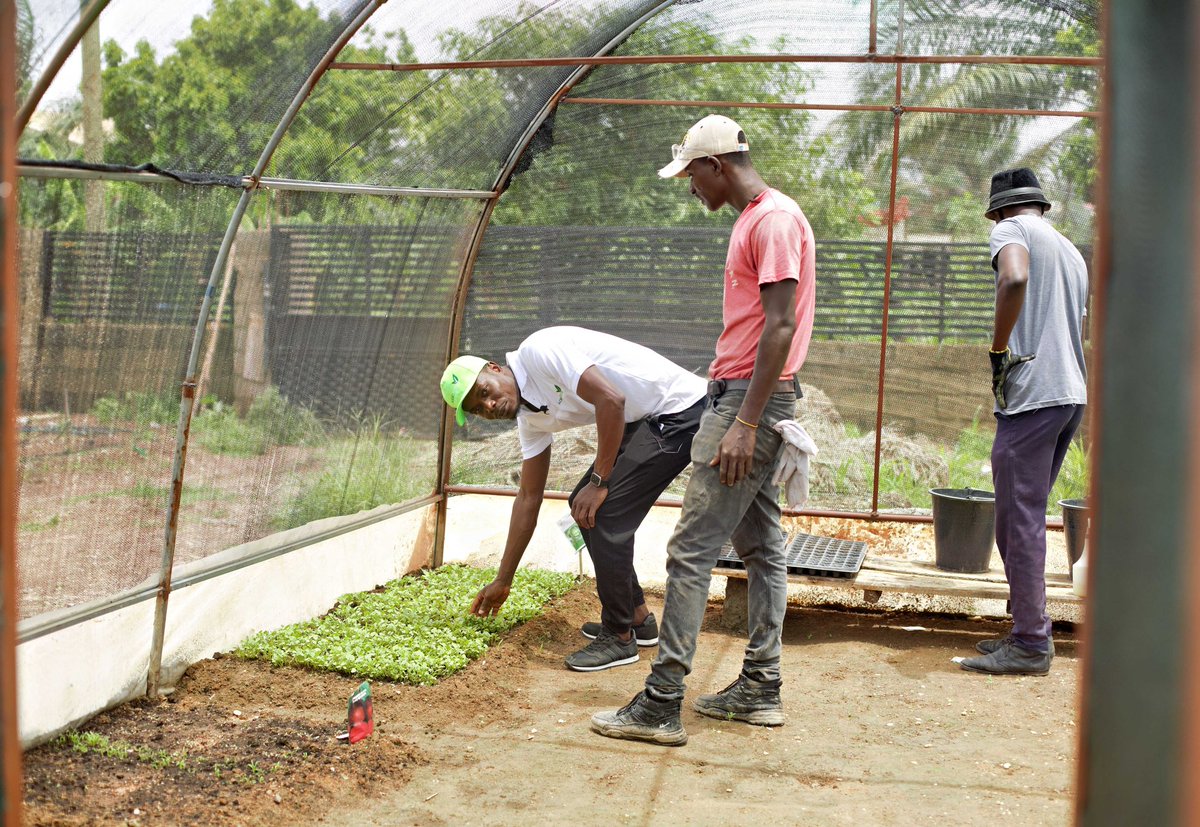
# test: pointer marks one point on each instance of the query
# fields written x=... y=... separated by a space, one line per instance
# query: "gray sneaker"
x=605 y=652
x=643 y=719
x=746 y=700
x=1010 y=659
x=986 y=647
x=646 y=633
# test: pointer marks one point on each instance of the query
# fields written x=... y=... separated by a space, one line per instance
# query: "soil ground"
x=881 y=729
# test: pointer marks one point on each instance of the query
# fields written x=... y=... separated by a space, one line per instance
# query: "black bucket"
x=1075 y=515
x=964 y=528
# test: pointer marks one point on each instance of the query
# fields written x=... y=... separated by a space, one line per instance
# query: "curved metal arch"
x=366 y=9
x=86 y=18
x=464 y=279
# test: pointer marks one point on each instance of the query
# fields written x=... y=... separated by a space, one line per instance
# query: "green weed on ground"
x=270 y=421
x=143 y=409
x=369 y=469
x=415 y=630
x=967 y=464
x=85 y=742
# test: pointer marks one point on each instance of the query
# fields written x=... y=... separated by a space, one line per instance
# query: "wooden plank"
x=919 y=577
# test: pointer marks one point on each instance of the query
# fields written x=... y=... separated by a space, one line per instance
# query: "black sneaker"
x=744 y=700
x=1009 y=659
x=646 y=633
x=643 y=719
x=986 y=647
x=605 y=652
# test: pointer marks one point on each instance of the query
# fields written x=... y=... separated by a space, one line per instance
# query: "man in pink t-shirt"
x=768 y=316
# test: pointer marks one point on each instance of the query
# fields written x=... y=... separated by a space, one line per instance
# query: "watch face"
x=597 y=480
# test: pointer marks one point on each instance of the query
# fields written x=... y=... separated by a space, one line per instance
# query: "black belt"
x=716 y=387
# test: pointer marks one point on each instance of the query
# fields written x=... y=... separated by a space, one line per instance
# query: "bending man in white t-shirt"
x=646 y=410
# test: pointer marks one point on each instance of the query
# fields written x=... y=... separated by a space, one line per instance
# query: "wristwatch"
x=599 y=481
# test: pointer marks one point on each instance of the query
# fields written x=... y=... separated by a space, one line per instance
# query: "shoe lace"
x=636 y=700
x=605 y=636
x=731 y=686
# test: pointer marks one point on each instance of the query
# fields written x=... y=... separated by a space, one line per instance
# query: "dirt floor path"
x=882 y=729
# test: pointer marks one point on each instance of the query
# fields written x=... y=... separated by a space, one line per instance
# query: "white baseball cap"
x=711 y=135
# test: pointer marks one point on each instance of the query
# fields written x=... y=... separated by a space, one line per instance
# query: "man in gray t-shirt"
x=1039 y=380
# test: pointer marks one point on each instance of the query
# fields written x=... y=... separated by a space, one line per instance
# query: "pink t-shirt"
x=771 y=241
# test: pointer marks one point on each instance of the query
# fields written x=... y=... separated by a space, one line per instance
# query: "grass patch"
x=35 y=526
x=270 y=421
x=415 y=630
x=370 y=469
x=148 y=491
x=142 y=409
x=1072 y=479
x=967 y=464
x=85 y=742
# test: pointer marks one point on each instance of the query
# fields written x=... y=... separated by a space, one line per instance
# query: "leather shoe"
x=986 y=647
x=1009 y=659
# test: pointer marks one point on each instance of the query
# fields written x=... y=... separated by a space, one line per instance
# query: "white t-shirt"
x=547 y=367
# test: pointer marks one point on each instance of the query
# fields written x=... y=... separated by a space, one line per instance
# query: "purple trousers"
x=1026 y=455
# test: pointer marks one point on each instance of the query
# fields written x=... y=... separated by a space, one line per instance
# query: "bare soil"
x=882 y=729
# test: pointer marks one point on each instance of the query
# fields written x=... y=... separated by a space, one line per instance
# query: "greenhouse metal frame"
x=464 y=254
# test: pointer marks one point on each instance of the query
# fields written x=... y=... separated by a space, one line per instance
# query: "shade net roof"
x=433 y=182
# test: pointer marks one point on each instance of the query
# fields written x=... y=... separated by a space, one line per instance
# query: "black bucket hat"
x=1015 y=186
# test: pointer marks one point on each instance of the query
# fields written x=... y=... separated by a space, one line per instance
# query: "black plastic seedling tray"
x=811 y=555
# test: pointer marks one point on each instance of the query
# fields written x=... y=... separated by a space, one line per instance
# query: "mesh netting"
x=332 y=317
x=219 y=87
x=340 y=332
x=106 y=322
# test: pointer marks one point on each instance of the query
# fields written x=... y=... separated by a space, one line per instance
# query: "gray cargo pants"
x=713 y=513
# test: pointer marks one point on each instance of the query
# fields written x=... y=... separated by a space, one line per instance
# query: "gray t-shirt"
x=1051 y=320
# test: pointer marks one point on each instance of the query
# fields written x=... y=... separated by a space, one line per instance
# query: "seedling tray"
x=811 y=555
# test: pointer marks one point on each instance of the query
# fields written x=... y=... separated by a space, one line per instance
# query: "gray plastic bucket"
x=1076 y=515
x=964 y=528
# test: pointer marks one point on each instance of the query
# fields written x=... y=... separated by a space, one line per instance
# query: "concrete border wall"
x=68 y=676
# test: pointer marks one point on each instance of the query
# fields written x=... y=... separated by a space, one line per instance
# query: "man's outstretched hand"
x=490 y=598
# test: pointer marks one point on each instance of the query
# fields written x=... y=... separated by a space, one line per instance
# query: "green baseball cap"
x=457 y=380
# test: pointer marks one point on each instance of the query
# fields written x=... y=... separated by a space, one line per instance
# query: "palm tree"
x=947 y=159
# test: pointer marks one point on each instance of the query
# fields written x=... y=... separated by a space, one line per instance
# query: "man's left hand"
x=587 y=503
x=735 y=454
x=1002 y=363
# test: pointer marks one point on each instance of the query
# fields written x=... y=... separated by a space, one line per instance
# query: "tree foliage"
x=206 y=106
x=947 y=160
x=596 y=164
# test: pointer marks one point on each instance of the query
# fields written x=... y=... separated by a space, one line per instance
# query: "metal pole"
x=887 y=290
x=881 y=517
x=186 y=406
x=836 y=107
x=265 y=183
x=1190 y=805
x=458 y=310
x=154 y=670
x=627 y=60
x=1141 y=746
x=86 y=18
x=872 y=36
x=1097 y=322
x=10 y=745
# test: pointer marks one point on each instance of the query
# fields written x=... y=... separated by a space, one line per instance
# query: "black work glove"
x=1002 y=363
